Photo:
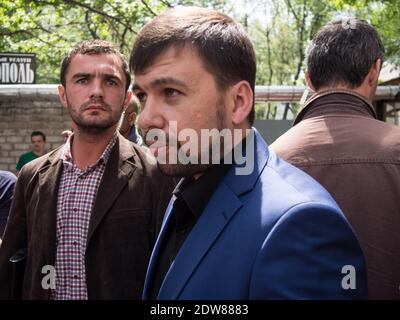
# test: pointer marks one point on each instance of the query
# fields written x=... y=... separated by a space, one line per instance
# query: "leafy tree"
x=280 y=30
x=50 y=27
x=384 y=15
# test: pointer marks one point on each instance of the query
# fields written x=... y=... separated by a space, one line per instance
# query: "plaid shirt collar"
x=66 y=155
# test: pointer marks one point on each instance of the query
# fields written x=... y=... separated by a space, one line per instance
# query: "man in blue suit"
x=256 y=228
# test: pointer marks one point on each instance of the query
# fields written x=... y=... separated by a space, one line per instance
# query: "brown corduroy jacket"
x=127 y=214
x=337 y=139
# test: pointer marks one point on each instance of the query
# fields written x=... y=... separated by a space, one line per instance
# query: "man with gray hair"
x=338 y=140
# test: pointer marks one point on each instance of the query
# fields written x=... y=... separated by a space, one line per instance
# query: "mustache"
x=98 y=103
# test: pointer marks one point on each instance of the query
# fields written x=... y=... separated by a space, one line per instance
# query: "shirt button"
x=75 y=243
x=75 y=209
x=75 y=276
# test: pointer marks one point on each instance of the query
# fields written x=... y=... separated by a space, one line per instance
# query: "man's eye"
x=141 y=96
x=112 y=82
x=169 y=92
x=81 y=81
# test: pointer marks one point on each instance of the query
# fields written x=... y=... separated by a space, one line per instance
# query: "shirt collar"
x=66 y=155
x=197 y=193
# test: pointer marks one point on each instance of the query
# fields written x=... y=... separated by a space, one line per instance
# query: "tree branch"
x=148 y=8
x=39 y=27
x=88 y=22
x=88 y=7
x=123 y=42
x=125 y=17
x=12 y=33
x=300 y=42
x=169 y=5
x=290 y=7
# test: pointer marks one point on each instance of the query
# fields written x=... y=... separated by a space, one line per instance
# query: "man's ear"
x=62 y=95
x=308 y=80
x=128 y=98
x=242 y=97
x=373 y=74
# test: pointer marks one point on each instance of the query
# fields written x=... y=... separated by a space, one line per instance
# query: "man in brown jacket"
x=337 y=139
x=86 y=213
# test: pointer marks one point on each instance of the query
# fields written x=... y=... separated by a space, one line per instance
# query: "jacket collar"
x=125 y=147
x=122 y=163
x=46 y=203
x=335 y=101
x=221 y=208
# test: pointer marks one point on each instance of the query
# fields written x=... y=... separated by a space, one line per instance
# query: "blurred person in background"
x=7 y=185
x=338 y=140
x=128 y=121
x=38 y=140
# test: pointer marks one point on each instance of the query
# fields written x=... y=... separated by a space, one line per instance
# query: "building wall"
x=26 y=108
x=272 y=129
x=19 y=117
x=22 y=114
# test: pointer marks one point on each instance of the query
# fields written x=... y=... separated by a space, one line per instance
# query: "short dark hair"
x=94 y=47
x=343 y=51
x=222 y=44
x=38 y=133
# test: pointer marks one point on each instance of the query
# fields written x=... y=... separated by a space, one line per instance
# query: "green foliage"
x=384 y=15
x=281 y=35
x=280 y=30
x=50 y=27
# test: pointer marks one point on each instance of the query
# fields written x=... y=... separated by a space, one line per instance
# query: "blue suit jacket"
x=273 y=234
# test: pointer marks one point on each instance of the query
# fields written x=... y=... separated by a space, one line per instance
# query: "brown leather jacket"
x=127 y=214
x=338 y=141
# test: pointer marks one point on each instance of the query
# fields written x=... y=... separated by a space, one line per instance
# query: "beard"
x=94 y=123
x=182 y=170
x=190 y=169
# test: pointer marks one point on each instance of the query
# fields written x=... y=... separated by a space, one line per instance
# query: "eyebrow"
x=88 y=75
x=162 y=81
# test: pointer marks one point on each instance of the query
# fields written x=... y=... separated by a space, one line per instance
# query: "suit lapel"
x=119 y=169
x=211 y=223
x=156 y=250
x=223 y=205
x=258 y=149
x=49 y=179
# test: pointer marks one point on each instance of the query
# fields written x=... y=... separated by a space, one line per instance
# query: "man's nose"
x=97 y=90
x=151 y=115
